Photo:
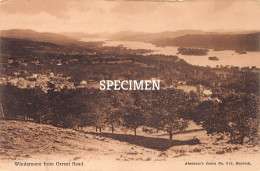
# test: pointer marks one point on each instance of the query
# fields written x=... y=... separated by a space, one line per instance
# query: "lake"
x=226 y=57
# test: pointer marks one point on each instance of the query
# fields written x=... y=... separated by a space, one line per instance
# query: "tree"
x=203 y=111
x=36 y=105
x=11 y=100
x=98 y=117
x=169 y=111
x=155 y=119
x=173 y=123
x=237 y=116
x=65 y=105
x=133 y=118
x=113 y=109
x=113 y=118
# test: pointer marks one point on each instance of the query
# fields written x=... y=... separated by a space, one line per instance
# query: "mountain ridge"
x=37 y=36
x=238 y=41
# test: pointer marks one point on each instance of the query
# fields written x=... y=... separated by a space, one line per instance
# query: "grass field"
x=27 y=141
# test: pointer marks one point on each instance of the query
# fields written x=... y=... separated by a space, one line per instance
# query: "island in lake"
x=192 y=51
x=213 y=58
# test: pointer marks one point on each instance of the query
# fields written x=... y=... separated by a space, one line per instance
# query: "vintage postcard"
x=104 y=85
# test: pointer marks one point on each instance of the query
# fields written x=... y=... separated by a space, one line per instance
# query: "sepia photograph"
x=129 y=85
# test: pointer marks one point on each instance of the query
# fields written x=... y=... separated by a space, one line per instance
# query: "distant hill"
x=79 y=35
x=151 y=37
x=238 y=42
x=44 y=37
x=218 y=40
x=37 y=36
x=133 y=36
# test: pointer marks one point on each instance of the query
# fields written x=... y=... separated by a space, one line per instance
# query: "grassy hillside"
x=24 y=140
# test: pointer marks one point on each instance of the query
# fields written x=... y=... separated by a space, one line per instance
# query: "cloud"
x=112 y=16
x=56 y=8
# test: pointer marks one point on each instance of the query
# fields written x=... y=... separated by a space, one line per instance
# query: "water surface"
x=226 y=57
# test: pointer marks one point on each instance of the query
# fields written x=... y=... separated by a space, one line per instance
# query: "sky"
x=94 y=16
